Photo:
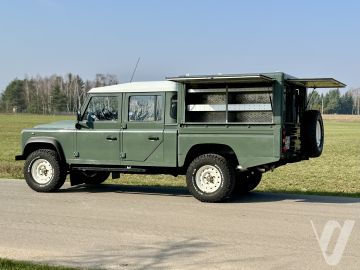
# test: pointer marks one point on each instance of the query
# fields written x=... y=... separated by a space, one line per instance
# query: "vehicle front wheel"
x=43 y=171
x=210 y=178
x=247 y=181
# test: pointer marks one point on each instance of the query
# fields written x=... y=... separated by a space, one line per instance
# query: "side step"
x=110 y=169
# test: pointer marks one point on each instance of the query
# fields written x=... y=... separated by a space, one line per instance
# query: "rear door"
x=143 y=129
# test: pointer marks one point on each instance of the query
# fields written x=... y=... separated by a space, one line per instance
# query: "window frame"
x=87 y=103
x=127 y=107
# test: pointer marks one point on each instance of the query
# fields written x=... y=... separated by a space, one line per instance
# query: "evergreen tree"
x=58 y=100
x=314 y=99
x=13 y=98
x=332 y=101
x=346 y=104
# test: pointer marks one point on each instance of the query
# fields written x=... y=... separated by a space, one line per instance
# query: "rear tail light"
x=285 y=141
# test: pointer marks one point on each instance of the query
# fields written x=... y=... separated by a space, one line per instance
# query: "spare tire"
x=312 y=133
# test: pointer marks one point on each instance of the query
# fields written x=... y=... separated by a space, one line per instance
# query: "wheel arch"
x=207 y=148
x=43 y=143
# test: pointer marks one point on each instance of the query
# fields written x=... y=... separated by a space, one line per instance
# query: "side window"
x=145 y=108
x=102 y=109
x=173 y=108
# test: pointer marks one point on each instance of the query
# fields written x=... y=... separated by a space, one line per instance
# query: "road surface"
x=119 y=227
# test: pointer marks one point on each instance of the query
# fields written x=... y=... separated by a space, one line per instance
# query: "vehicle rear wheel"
x=89 y=177
x=43 y=171
x=247 y=181
x=210 y=178
x=312 y=133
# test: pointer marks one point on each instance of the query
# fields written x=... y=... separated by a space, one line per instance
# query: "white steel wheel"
x=318 y=133
x=208 y=178
x=42 y=171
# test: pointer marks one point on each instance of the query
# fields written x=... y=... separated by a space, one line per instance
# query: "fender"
x=34 y=142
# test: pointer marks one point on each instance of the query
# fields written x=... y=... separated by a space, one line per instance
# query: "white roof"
x=150 y=86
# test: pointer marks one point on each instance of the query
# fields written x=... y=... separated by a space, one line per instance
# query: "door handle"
x=152 y=138
x=111 y=138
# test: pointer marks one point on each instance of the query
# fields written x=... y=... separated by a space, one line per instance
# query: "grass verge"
x=6 y=264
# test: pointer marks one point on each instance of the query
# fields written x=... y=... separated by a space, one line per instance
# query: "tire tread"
x=59 y=173
x=227 y=171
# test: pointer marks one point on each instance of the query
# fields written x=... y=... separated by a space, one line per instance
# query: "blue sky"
x=303 y=38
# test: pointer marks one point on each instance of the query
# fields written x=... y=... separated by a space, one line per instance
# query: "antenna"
x=137 y=63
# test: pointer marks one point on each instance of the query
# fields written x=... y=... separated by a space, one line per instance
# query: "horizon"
x=45 y=37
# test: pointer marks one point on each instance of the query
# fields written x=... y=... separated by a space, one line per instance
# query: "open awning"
x=210 y=79
x=318 y=83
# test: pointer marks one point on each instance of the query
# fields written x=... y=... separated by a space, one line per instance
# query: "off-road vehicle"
x=221 y=131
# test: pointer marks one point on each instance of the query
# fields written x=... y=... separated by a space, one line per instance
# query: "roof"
x=257 y=78
x=228 y=78
x=171 y=84
x=318 y=82
x=150 y=86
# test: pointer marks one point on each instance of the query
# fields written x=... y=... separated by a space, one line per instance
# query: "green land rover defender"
x=221 y=131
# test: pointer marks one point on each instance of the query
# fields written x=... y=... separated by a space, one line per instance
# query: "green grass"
x=336 y=172
x=10 y=128
x=6 y=264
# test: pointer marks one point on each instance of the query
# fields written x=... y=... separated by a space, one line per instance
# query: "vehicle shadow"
x=322 y=197
x=251 y=197
x=134 y=189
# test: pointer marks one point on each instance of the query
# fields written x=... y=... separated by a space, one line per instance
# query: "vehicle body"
x=222 y=131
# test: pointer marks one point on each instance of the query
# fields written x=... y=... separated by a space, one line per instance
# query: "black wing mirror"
x=78 y=116
x=78 y=119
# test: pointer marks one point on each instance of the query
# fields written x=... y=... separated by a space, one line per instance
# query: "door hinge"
x=122 y=155
x=76 y=154
x=124 y=126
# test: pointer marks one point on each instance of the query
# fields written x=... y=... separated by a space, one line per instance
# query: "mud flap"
x=75 y=179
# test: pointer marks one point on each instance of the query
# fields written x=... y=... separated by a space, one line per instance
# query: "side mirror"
x=78 y=119
x=78 y=126
x=78 y=116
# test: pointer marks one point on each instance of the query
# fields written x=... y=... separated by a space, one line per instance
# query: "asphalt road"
x=118 y=227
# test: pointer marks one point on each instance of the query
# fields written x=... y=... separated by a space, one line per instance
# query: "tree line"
x=333 y=102
x=50 y=95
x=65 y=94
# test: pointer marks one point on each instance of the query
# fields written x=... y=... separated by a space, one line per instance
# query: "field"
x=336 y=172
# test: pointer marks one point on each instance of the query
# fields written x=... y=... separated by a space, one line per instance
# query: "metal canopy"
x=209 y=79
x=318 y=83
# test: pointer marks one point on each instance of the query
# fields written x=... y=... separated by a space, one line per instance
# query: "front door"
x=143 y=133
x=98 y=141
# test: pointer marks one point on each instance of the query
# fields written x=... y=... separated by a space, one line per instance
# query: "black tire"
x=312 y=142
x=89 y=177
x=222 y=180
x=247 y=181
x=38 y=165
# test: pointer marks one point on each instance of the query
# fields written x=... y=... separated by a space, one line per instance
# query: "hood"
x=66 y=124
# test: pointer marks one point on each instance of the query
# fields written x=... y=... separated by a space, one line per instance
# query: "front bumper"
x=19 y=157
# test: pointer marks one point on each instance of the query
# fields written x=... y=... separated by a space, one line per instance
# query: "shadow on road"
x=148 y=190
x=252 y=197
x=160 y=255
